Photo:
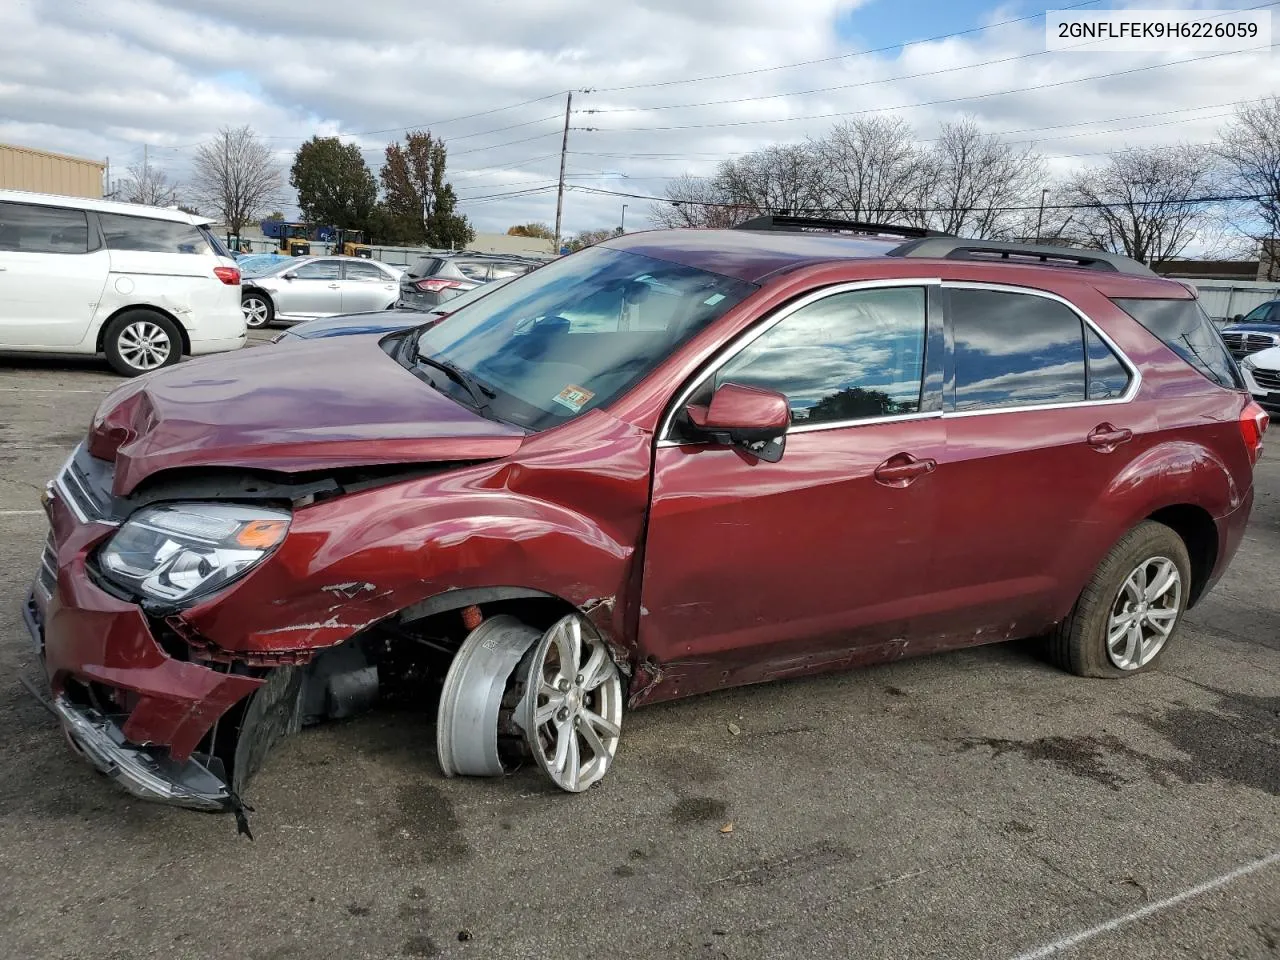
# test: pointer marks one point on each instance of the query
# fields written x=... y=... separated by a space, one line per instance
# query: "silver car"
x=312 y=287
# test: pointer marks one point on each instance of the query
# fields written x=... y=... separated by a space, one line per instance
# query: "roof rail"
x=951 y=248
x=788 y=223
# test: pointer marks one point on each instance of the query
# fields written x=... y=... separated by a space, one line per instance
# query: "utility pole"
x=564 y=152
x=623 y=225
x=1040 y=217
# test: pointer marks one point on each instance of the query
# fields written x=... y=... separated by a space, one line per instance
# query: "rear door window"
x=319 y=270
x=845 y=357
x=152 y=236
x=1014 y=350
x=31 y=228
x=1186 y=329
x=363 y=271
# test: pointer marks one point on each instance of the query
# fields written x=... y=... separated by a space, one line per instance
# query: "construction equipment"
x=292 y=239
x=350 y=243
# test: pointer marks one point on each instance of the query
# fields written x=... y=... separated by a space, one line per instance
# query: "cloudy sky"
x=676 y=85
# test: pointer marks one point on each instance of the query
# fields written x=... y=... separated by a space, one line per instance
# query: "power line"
x=832 y=59
x=531 y=191
x=1209 y=15
x=1036 y=206
x=925 y=103
x=434 y=123
x=511 y=143
x=660 y=157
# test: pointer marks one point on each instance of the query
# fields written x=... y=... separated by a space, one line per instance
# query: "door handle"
x=1105 y=437
x=333 y=286
x=901 y=469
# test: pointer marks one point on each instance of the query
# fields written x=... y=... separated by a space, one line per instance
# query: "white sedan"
x=311 y=287
x=1262 y=376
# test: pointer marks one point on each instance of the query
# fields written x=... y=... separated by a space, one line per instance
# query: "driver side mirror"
x=1237 y=318
x=288 y=275
x=747 y=417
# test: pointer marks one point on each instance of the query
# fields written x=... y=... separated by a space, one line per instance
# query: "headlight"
x=182 y=550
x=1248 y=364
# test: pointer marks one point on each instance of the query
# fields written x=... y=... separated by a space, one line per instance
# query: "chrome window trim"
x=1135 y=375
x=747 y=337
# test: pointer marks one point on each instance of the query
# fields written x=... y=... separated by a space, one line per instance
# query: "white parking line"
x=20 y=513
x=1066 y=943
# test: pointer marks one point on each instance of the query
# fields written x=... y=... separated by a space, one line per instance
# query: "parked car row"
x=672 y=463
x=302 y=288
x=434 y=279
x=383 y=321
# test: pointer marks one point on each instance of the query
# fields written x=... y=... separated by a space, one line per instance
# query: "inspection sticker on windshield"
x=575 y=398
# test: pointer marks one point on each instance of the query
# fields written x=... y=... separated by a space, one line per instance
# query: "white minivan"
x=144 y=285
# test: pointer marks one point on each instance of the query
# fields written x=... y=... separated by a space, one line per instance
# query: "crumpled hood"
x=321 y=404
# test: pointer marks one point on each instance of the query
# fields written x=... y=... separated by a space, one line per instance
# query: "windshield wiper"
x=479 y=393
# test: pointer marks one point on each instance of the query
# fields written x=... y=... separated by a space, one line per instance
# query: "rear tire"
x=1130 y=610
x=139 y=341
x=257 y=308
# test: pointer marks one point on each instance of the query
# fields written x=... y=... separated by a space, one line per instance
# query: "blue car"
x=1257 y=330
x=383 y=321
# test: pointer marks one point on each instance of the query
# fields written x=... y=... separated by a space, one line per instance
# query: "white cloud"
x=102 y=78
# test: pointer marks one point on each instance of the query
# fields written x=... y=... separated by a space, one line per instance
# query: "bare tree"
x=695 y=202
x=974 y=179
x=782 y=178
x=1249 y=149
x=148 y=184
x=235 y=175
x=1143 y=202
x=874 y=169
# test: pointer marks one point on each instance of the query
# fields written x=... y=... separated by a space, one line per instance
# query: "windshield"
x=269 y=268
x=573 y=335
x=1263 y=314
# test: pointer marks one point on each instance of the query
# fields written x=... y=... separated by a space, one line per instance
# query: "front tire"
x=257 y=308
x=1129 y=612
x=139 y=341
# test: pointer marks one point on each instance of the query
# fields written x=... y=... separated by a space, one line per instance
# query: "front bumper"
x=142 y=771
x=134 y=711
x=1264 y=387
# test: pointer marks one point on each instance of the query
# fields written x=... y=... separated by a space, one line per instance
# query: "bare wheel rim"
x=1144 y=613
x=571 y=712
x=255 y=311
x=144 y=345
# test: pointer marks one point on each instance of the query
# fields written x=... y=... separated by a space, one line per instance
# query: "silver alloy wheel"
x=1144 y=613
x=144 y=345
x=571 y=712
x=255 y=312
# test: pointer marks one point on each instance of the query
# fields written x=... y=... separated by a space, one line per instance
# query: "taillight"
x=1253 y=424
x=228 y=275
x=435 y=285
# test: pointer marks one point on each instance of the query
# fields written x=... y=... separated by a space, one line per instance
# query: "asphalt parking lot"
x=973 y=805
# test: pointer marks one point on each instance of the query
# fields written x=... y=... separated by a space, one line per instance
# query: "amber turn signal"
x=262 y=534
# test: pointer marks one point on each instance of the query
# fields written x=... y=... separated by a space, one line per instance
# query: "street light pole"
x=623 y=225
x=1040 y=217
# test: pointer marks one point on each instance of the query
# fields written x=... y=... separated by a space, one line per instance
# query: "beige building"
x=22 y=168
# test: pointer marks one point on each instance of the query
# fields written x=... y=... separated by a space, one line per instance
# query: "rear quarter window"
x=152 y=236
x=1184 y=327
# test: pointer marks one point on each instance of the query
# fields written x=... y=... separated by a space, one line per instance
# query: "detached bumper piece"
x=136 y=769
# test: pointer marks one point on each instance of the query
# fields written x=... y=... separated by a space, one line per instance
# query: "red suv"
x=674 y=462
